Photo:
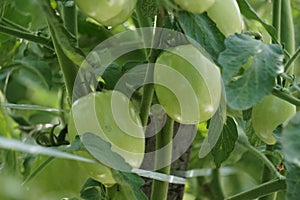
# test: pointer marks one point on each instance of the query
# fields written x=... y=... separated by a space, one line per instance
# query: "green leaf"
x=215 y=129
x=63 y=37
x=226 y=142
x=3 y=4
x=69 y=57
x=33 y=63
x=250 y=13
x=93 y=190
x=111 y=75
x=204 y=31
x=292 y=182
x=128 y=186
x=101 y=151
x=7 y=124
x=249 y=69
x=290 y=143
x=252 y=136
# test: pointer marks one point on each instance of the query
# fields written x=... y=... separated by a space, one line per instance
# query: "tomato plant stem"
x=27 y=36
x=217 y=191
x=7 y=22
x=267 y=175
x=261 y=157
x=277 y=17
x=292 y=60
x=287 y=33
x=261 y=190
x=285 y=96
x=70 y=17
x=163 y=140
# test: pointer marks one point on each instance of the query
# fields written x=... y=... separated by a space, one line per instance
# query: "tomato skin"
x=195 y=6
x=106 y=12
x=59 y=179
x=268 y=114
x=111 y=116
x=192 y=84
x=227 y=16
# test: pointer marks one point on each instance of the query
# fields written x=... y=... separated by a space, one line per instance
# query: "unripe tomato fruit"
x=268 y=114
x=187 y=84
x=195 y=6
x=107 y=12
x=227 y=16
x=111 y=116
x=61 y=178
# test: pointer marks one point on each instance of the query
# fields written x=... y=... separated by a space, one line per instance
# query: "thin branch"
x=27 y=36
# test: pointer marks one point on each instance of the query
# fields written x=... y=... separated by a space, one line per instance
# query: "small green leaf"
x=252 y=136
x=250 y=13
x=128 y=186
x=93 y=190
x=215 y=129
x=249 y=69
x=7 y=124
x=226 y=142
x=111 y=75
x=204 y=31
x=290 y=143
x=101 y=151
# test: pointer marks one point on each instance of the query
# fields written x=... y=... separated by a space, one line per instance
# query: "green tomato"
x=187 y=84
x=59 y=179
x=195 y=6
x=107 y=12
x=268 y=114
x=111 y=116
x=227 y=16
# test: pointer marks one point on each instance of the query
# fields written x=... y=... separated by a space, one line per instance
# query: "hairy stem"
x=163 y=140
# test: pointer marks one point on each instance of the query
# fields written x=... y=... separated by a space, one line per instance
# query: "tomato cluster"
x=112 y=13
x=225 y=13
x=187 y=84
x=108 y=13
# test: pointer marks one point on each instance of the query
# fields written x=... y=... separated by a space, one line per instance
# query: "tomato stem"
x=276 y=18
x=292 y=59
x=261 y=157
x=287 y=33
x=27 y=36
x=163 y=140
x=261 y=190
x=70 y=17
x=285 y=96
x=267 y=175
